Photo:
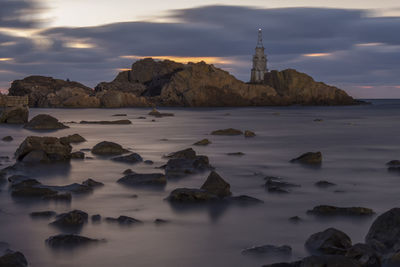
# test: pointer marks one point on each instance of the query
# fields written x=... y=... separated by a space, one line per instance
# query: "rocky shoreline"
x=171 y=84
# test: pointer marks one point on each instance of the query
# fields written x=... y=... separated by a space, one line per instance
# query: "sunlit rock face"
x=168 y=83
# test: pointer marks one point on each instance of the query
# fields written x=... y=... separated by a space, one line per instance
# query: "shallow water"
x=356 y=142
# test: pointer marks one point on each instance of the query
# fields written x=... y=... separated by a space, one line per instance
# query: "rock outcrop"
x=14 y=115
x=44 y=122
x=168 y=83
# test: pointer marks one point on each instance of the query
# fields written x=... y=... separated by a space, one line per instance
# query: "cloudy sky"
x=355 y=46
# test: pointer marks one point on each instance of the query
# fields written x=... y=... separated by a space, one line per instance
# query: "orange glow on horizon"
x=209 y=60
x=317 y=55
x=6 y=58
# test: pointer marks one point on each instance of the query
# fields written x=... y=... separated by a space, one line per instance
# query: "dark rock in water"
x=393 y=163
x=216 y=185
x=37 y=156
x=127 y=171
x=236 y=154
x=244 y=200
x=131 y=158
x=188 y=153
x=73 y=188
x=160 y=221
x=309 y=158
x=148 y=162
x=92 y=183
x=71 y=139
x=394 y=169
x=158 y=114
x=13 y=259
x=191 y=195
x=185 y=162
x=324 y=184
x=120 y=115
x=69 y=241
x=365 y=255
x=276 y=185
x=393 y=261
x=143 y=179
x=268 y=250
x=43 y=214
x=96 y=218
x=326 y=210
x=331 y=242
x=14 y=115
x=203 y=142
x=65 y=196
x=295 y=219
x=385 y=231
x=44 y=122
x=53 y=149
x=248 y=133
x=123 y=220
x=108 y=148
x=78 y=155
x=31 y=188
x=229 y=131
x=277 y=189
x=320 y=261
x=7 y=138
x=120 y=122
x=72 y=219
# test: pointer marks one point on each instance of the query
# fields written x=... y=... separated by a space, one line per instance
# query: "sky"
x=354 y=45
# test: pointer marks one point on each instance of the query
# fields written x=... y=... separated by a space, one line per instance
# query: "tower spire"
x=259 y=41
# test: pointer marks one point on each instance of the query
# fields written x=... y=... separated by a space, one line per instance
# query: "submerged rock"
x=331 y=242
x=229 y=131
x=160 y=221
x=72 y=219
x=216 y=185
x=326 y=210
x=71 y=139
x=191 y=195
x=69 y=241
x=158 y=114
x=45 y=149
x=108 y=148
x=43 y=214
x=365 y=255
x=13 y=259
x=244 y=200
x=393 y=163
x=143 y=179
x=14 y=115
x=203 y=142
x=188 y=153
x=92 y=183
x=121 y=122
x=239 y=154
x=96 y=218
x=131 y=158
x=249 y=133
x=324 y=184
x=268 y=250
x=123 y=220
x=277 y=185
x=44 y=122
x=7 y=138
x=309 y=158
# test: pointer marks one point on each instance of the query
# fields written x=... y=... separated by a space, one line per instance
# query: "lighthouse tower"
x=259 y=62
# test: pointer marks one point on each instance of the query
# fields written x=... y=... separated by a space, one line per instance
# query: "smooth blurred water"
x=356 y=142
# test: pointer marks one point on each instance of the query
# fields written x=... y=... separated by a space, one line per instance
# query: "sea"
x=356 y=143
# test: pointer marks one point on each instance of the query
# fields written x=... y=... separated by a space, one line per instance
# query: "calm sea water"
x=356 y=142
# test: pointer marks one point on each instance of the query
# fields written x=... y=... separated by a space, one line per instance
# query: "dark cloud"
x=20 y=13
x=224 y=31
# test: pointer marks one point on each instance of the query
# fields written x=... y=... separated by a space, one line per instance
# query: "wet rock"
x=295 y=219
x=143 y=179
x=127 y=171
x=31 y=188
x=216 y=185
x=69 y=241
x=268 y=250
x=326 y=210
x=385 y=231
x=229 y=131
x=92 y=183
x=239 y=154
x=37 y=156
x=394 y=168
x=244 y=200
x=78 y=155
x=65 y=196
x=72 y=139
x=13 y=259
x=96 y=218
x=120 y=115
x=108 y=148
x=123 y=220
x=14 y=115
x=53 y=149
x=72 y=219
x=191 y=195
x=393 y=163
x=203 y=142
x=318 y=120
x=7 y=138
x=393 y=260
x=188 y=153
x=329 y=261
x=309 y=158
x=158 y=114
x=248 y=133
x=331 y=242
x=160 y=221
x=141 y=118
x=277 y=185
x=148 y=162
x=44 y=122
x=324 y=184
x=118 y=122
x=365 y=255
x=43 y=214
x=131 y=158
x=277 y=189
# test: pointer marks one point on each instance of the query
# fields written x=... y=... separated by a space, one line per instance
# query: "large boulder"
x=69 y=241
x=330 y=242
x=216 y=185
x=13 y=259
x=44 y=122
x=14 y=115
x=72 y=219
x=108 y=148
x=43 y=149
x=327 y=210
